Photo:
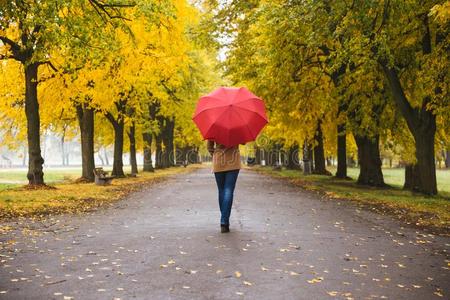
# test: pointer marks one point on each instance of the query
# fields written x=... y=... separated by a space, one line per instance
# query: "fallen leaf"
x=315 y=280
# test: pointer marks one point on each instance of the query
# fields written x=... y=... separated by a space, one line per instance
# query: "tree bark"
x=168 y=134
x=257 y=155
x=369 y=161
x=148 y=163
x=158 y=152
x=319 y=153
x=422 y=124
x=63 y=154
x=293 y=162
x=307 y=164
x=411 y=177
x=132 y=138
x=35 y=173
x=86 y=122
x=118 y=150
x=447 y=159
x=341 y=152
x=118 y=126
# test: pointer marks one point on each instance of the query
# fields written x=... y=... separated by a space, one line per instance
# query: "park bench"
x=180 y=163
x=101 y=177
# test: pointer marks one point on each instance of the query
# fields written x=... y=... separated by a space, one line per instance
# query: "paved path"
x=164 y=243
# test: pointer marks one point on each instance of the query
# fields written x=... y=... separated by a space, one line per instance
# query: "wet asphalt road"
x=164 y=243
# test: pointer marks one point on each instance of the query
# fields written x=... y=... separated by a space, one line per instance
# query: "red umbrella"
x=230 y=116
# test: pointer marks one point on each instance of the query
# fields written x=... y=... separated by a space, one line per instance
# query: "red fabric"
x=230 y=116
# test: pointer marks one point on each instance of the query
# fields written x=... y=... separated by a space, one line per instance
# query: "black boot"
x=224 y=228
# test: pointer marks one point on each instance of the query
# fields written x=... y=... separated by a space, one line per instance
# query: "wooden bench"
x=101 y=177
x=180 y=163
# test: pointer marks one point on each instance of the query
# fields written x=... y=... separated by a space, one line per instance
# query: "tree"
x=415 y=62
x=30 y=33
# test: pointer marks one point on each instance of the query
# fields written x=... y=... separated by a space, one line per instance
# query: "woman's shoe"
x=224 y=228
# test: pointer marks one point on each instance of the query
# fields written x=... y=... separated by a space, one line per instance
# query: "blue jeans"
x=226 y=181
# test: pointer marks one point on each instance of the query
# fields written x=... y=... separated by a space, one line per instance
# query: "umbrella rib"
x=246 y=124
x=248 y=99
x=251 y=111
x=210 y=127
x=204 y=111
x=197 y=113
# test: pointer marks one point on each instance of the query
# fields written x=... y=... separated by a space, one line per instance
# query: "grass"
x=71 y=197
x=11 y=178
x=424 y=211
x=396 y=177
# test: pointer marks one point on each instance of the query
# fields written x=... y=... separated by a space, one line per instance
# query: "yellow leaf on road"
x=316 y=280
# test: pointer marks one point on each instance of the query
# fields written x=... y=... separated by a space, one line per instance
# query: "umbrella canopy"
x=230 y=116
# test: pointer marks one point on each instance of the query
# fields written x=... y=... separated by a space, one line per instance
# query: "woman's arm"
x=210 y=146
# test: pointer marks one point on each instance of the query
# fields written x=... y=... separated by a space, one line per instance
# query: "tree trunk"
x=319 y=153
x=273 y=156
x=63 y=154
x=411 y=177
x=132 y=138
x=369 y=161
x=168 y=133
x=35 y=174
x=341 y=152
x=158 y=152
x=293 y=162
x=118 y=150
x=447 y=159
x=148 y=164
x=426 y=165
x=257 y=155
x=86 y=122
x=422 y=124
x=307 y=164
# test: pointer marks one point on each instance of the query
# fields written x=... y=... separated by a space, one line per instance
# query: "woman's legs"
x=220 y=180
x=226 y=182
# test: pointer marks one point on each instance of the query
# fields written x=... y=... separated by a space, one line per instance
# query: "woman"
x=226 y=166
